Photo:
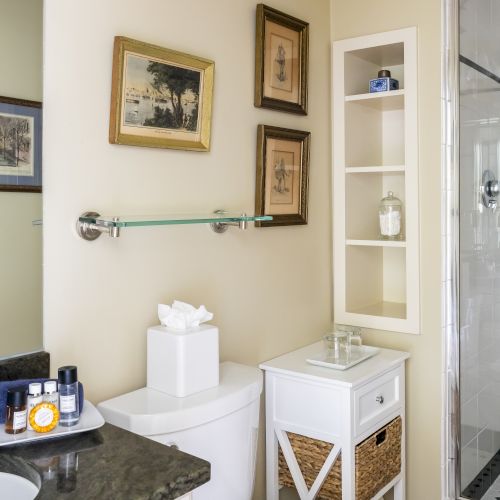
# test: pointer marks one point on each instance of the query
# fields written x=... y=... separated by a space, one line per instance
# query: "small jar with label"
x=50 y=394
x=15 y=418
x=68 y=396
x=34 y=398
x=390 y=216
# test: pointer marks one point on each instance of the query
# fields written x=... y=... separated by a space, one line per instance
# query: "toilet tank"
x=219 y=425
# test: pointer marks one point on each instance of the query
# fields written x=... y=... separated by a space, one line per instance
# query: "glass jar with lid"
x=390 y=217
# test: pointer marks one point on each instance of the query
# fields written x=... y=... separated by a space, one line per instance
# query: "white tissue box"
x=181 y=363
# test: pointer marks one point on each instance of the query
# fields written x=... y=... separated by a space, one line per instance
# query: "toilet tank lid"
x=150 y=412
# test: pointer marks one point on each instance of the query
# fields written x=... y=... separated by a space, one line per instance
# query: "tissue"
x=182 y=316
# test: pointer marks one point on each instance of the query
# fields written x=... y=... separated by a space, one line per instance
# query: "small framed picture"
x=160 y=98
x=20 y=145
x=282 y=175
x=281 y=61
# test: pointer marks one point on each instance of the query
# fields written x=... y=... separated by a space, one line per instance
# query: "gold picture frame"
x=281 y=61
x=160 y=98
x=282 y=178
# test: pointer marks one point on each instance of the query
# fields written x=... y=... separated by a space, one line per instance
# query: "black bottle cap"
x=16 y=396
x=67 y=375
x=384 y=73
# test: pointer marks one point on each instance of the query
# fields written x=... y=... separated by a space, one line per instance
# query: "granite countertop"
x=108 y=463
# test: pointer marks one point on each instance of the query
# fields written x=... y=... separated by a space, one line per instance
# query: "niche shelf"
x=376 y=243
x=380 y=98
x=375 y=151
x=374 y=169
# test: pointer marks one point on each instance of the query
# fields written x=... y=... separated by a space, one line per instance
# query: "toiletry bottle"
x=50 y=394
x=34 y=398
x=15 y=418
x=68 y=396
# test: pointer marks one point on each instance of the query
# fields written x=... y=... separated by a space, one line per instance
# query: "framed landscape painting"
x=160 y=98
x=282 y=175
x=281 y=61
x=20 y=145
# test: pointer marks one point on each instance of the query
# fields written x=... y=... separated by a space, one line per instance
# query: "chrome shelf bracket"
x=91 y=232
x=222 y=227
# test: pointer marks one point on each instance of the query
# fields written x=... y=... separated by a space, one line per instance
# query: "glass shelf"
x=165 y=220
x=91 y=224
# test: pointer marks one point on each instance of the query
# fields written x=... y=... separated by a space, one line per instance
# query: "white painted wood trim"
x=411 y=324
x=412 y=183
x=338 y=180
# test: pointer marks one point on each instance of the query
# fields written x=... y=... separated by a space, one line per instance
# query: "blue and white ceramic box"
x=383 y=84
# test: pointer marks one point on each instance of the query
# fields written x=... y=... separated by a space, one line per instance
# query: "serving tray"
x=90 y=419
x=358 y=354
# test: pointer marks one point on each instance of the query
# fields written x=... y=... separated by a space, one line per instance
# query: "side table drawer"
x=376 y=400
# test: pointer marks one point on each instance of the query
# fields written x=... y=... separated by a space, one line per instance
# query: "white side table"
x=339 y=407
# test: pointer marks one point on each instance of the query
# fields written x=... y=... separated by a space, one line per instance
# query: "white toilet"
x=219 y=425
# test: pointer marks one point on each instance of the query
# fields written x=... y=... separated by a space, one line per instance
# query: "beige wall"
x=424 y=368
x=21 y=42
x=270 y=288
x=21 y=248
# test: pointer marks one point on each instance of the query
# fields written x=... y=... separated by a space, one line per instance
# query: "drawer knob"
x=380 y=399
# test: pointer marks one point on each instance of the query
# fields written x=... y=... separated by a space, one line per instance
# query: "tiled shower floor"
x=486 y=485
x=494 y=492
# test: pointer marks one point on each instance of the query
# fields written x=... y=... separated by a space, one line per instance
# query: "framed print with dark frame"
x=281 y=188
x=281 y=61
x=20 y=145
x=160 y=98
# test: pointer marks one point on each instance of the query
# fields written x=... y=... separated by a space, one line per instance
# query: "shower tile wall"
x=479 y=238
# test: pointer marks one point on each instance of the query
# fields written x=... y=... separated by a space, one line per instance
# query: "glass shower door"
x=480 y=248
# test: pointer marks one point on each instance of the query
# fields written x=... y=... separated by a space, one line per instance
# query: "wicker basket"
x=378 y=462
x=311 y=455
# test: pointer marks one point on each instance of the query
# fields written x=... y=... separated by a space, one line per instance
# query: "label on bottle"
x=44 y=417
x=390 y=223
x=32 y=402
x=19 y=420
x=52 y=398
x=67 y=404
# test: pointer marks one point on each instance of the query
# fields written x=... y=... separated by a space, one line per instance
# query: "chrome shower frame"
x=450 y=210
